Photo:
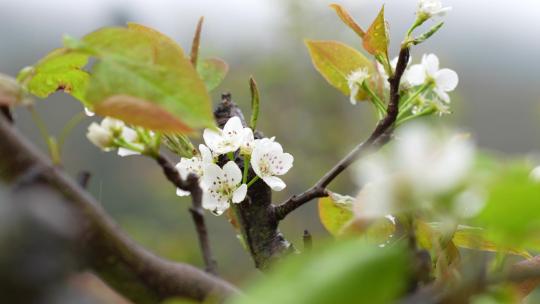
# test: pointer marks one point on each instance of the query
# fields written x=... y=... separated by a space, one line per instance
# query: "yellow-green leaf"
x=476 y=238
x=335 y=61
x=376 y=38
x=60 y=70
x=335 y=215
x=347 y=19
x=212 y=71
x=144 y=78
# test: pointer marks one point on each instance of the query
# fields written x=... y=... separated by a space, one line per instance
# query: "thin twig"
x=380 y=135
x=191 y=184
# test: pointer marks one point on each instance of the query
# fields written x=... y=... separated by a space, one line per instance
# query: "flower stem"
x=52 y=145
x=230 y=155
x=253 y=180
x=407 y=104
x=68 y=128
x=375 y=99
x=246 y=169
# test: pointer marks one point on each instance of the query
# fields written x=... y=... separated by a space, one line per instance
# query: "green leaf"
x=347 y=19
x=143 y=78
x=11 y=93
x=512 y=213
x=60 y=70
x=255 y=103
x=335 y=214
x=212 y=71
x=376 y=38
x=335 y=61
x=346 y=272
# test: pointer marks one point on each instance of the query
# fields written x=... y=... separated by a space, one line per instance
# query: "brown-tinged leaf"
x=141 y=68
x=347 y=19
x=376 y=39
x=196 y=42
x=140 y=112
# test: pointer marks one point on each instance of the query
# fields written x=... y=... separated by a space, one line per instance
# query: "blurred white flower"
x=444 y=80
x=469 y=203
x=430 y=8
x=88 y=112
x=421 y=166
x=193 y=165
x=355 y=80
x=268 y=161
x=535 y=174
x=222 y=186
x=227 y=140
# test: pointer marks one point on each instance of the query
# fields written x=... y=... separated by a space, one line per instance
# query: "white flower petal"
x=112 y=124
x=431 y=64
x=283 y=164
x=233 y=125
x=181 y=192
x=126 y=152
x=416 y=75
x=211 y=173
x=442 y=95
x=446 y=80
x=129 y=134
x=274 y=182
x=206 y=154
x=234 y=175
x=99 y=136
x=212 y=138
x=88 y=112
x=239 y=194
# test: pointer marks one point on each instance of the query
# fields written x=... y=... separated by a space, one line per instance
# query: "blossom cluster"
x=423 y=167
x=225 y=185
x=113 y=134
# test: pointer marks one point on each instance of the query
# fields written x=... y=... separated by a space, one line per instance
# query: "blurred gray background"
x=492 y=44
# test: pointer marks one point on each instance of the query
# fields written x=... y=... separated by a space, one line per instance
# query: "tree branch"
x=118 y=260
x=380 y=136
x=191 y=184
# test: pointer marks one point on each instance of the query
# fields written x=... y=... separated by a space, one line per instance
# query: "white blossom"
x=268 y=161
x=227 y=140
x=194 y=165
x=444 y=80
x=429 y=8
x=222 y=186
x=355 y=80
x=421 y=166
x=103 y=134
